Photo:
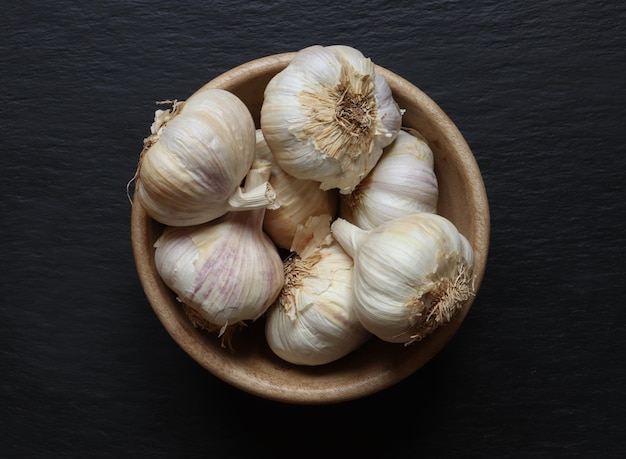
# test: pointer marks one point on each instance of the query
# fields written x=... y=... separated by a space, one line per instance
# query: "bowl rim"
x=184 y=334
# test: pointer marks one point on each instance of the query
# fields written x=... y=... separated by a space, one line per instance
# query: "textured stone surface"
x=536 y=88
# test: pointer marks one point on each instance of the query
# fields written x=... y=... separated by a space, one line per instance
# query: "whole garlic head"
x=313 y=321
x=402 y=183
x=297 y=200
x=225 y=271
x=411 y=274
x=328 y=115
x=192 y=165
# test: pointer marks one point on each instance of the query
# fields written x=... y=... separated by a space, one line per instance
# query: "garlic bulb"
x=192 y=165
x=226 y=271
x=328 y=115
x=402 y=183
x=313 y=321
x=411 y=274
x=297 y=199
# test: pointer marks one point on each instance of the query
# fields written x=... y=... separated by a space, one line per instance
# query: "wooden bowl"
x=375 y=366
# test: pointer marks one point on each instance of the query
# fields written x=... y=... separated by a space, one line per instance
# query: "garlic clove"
x=296 y=200
x=226 y=271
x=402 y=183
x=328 y=115
x=411 y=274
x=193 y=164
x=313 y=321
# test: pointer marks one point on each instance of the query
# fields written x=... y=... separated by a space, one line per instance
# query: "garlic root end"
x=439 y=305
x=225 y=332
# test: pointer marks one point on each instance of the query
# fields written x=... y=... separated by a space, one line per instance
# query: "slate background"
x=538 y=368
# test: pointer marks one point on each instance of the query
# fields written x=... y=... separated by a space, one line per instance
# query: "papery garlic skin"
x=313 y=322
x=402 y=183
x=227 y=270
x=411 y=274
x=328 y=115
x=193 y=163
x=297 y=200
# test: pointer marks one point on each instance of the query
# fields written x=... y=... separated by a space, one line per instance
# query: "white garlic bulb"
x=297 y=200
x=193 y=164
x=402 y=183
x=227 y=271
x=328 y=115
x=411 y=274
x=313 y=321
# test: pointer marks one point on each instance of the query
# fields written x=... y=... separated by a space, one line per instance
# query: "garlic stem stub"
x=328 y=115
x=227 y=270
x=412 y=274
x=192 y=165
x=296 y=199
x=402 y=183
x=313 y=321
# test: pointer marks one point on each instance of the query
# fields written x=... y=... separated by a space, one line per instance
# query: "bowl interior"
x=375 y=366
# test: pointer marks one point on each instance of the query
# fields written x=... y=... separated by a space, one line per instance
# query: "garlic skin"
x=227 y=270
x=328 y=115
x=313 y=321
x=411 y=274
x=192 y=165
x=297 y=200
x=402 y=183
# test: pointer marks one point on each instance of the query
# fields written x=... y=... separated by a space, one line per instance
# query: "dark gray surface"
x=537 y=370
